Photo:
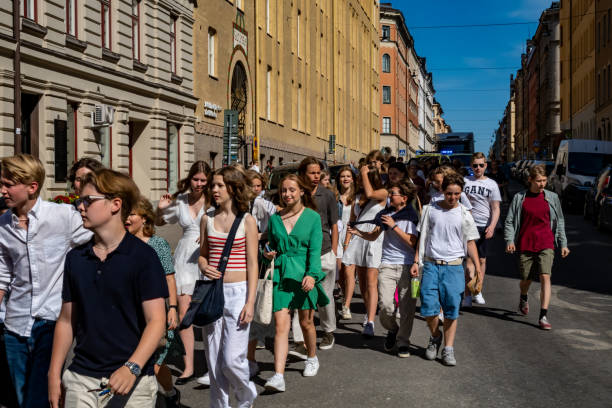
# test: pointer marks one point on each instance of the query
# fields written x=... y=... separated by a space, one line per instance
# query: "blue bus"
x=455 y=143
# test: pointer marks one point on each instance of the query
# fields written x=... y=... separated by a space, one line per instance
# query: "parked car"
x=593 y=197
x=604 y=217
x=578 y=163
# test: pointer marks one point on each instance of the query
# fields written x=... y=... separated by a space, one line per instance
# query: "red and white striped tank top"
x=216 y=243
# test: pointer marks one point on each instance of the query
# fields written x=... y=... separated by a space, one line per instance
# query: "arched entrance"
x=239 y=89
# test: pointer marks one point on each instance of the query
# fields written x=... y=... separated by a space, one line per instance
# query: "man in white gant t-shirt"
x=484 y=197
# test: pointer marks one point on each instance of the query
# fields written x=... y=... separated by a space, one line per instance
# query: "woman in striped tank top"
x=227 y=338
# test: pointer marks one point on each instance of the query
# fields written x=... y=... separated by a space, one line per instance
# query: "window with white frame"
x=386 y=94
x=28 y=9
x=386 y=63
x=239 y=4
x=299 y=17
x=136 y=30
x=268 y=16
x=172 y=156
x=71 y=17
x=386 y=125
x=105 y=23
x=173 y=44
x=212 y=38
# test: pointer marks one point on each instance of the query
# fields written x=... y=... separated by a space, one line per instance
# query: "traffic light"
x=231 y=140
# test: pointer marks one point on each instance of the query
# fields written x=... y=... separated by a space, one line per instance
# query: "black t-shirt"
x=107 y=302
x=327 y=207
x=499 y=177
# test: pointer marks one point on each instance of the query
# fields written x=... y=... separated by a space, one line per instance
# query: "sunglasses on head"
x=476 y=165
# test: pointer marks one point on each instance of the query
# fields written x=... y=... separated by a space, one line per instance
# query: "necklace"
x=286 y=217
x=108 y=248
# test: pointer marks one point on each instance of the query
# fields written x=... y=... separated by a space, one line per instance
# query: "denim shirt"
x=557 y=221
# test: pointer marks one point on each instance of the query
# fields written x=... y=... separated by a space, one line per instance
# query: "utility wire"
x=472 y=25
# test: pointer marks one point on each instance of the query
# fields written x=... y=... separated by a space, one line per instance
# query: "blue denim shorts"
x=441 y=286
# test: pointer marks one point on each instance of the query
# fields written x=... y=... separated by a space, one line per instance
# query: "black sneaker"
x=390 y=340
x=173 y=401
x=403 y=351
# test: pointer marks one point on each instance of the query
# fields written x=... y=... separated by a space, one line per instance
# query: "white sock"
x=315 y=358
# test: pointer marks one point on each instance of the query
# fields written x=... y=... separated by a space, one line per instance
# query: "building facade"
x=603 y=61
x=224 y=55
x=99 y=78
x=316 y=78
x=425 y=107
x=395 y=80
x=577 y=66
x=440 y=125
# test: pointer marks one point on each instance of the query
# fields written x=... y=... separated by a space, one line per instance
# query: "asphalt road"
x=504 y=360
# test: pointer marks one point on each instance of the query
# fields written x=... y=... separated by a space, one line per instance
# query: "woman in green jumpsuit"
x=295 y=236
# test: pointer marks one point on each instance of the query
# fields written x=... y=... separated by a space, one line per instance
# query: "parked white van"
x=578 y=163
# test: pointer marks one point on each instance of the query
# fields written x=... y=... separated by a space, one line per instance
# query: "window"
x=28 y=9
x=386 y=32
x=105 y=138
x=173 y=45
x=386 y=94
x=386 y=125
x=608 y=83
x=71 y=17
x=386 y=63
x=136 y=30
x=609 y=25
x=239 y=4
x=212 y=36
x=598 y=38
x=268 y=92
x=299 y=107
x=172 y=157
x=105 y=22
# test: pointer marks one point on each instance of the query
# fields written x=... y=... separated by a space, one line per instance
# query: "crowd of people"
x=96 y=273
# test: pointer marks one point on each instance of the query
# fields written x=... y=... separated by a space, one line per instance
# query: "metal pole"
x=17 y=78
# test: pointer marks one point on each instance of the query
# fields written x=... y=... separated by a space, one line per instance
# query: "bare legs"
x=187 y=336
x=282 y=319
x=545 y=289
x=368 y=284
x=450 y=328
x=348 y=283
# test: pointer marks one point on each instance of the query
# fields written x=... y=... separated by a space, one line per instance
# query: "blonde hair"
x=113 y=184
x=537 y=170
x=24 y=169
x=478 y=155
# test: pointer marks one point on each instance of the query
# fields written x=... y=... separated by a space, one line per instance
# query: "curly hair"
x=144 y=209
x=237 y=186
x=303 y=185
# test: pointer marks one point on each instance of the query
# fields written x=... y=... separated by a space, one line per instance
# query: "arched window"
x=386 y=63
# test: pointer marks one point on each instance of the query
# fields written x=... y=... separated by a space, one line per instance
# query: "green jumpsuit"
x=298 y=254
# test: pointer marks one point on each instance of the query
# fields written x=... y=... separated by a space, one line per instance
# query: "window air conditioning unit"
x=102 y=115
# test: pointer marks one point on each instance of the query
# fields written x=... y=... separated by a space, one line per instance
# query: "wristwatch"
x=134 y=368
x=173 y=307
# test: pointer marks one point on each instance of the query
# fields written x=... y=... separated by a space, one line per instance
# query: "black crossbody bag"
x=207 y=300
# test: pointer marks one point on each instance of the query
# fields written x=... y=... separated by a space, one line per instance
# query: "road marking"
x=582 y=339
x=554 y=299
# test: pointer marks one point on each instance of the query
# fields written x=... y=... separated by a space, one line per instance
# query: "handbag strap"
x=270 y=271
x=227 y=249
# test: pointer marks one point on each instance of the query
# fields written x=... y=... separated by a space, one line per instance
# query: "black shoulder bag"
x=207 y=300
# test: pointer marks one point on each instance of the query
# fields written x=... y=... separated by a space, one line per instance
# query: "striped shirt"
x=216 y=243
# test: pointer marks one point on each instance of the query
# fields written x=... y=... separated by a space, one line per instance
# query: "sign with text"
x=241 y=39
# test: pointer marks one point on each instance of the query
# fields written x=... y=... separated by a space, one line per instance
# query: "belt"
x=457 y=261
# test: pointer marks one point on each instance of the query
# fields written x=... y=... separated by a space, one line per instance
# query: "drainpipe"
x=17 y=78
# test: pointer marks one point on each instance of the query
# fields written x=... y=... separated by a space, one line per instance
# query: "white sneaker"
x=345 y=314
x=312 y=367
x=275 y=383
x=479 y=299
x=441 y=317
x=204 y=380
x=365 y=320
x=467 y=301
x=253 y=368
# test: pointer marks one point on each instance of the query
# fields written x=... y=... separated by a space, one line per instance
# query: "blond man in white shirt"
x=35 y=236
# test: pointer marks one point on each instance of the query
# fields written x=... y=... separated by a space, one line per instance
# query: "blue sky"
x=452 y=53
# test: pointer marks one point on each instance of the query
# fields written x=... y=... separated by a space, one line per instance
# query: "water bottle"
x=415 y=284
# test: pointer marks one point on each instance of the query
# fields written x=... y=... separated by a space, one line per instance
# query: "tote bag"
x=264 y=299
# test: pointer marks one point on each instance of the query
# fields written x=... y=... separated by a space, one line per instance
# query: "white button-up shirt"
x=32 y=262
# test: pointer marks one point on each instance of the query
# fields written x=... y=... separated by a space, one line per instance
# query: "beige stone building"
x=316 y=75
x=440 y=125
x=224 y=55
x=100 y=78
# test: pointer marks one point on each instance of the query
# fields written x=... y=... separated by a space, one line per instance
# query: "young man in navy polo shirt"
x=113 y=302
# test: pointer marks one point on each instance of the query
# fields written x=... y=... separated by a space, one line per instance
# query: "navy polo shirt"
x=107 y=303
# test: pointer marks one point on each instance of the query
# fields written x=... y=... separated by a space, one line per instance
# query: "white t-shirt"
x=394 y=249
x=445 y=239
x=481 y=194
x=439 y=196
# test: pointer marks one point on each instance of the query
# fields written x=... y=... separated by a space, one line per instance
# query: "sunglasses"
x=476 y=165
x=88 y=200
